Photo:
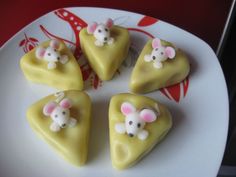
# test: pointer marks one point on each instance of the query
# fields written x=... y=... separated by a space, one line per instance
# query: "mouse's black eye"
x=138 y=125
x=99 y=31
x=106 y=29
x=162 y=53
x=49 y=54
x=63 y=112
x=153 y=57
x=130 y=122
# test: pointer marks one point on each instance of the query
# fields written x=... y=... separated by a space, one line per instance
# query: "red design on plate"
x=177 y=91
x=172 y=92
x=185 y=84
x=52 y=36
x=87 y=73
x=147 y=21
x=95 y=81
x=28 y=43
x=75 y=23
x=141 y=31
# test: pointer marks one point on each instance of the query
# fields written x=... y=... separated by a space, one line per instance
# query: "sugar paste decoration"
x=59 y=111
x=101 y=32
x=135 y=121
x=159 y=53
x=51 y=54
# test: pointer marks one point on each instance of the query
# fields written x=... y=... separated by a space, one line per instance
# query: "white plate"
x=199 y=105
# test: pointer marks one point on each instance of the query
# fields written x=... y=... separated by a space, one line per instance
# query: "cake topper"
x=59 y=111
x=101 y=32
x=135 y=121
x=159 y=53
x=51 y=54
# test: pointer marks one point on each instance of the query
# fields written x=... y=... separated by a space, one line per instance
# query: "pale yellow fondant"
x=145 y=78
x=105 y=60
x=70 y=142
x=64 y=77
x=126 y=151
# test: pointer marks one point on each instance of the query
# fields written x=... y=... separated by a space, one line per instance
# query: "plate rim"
x=224 y=86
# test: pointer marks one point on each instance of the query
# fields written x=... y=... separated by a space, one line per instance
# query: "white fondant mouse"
x=60 y=114
x=51 y=54
x=135 y=121
x=159 y=53
x=101 y=32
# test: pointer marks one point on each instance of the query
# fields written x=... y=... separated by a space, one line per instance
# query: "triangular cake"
x=148 y=74
x=136 y=124
x=63 y=121
x=53 y=64
x=105 y=58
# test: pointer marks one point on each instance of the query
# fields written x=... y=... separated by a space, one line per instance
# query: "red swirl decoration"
x=177 y=91
x=174 y=92
x=147 y=21
x=76 y=25
x=28 y=43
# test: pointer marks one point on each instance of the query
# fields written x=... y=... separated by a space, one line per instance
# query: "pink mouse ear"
x=48 y=108
x=148 y=115
x=40 y=51
x=170 y=52
x=92 y=27
x=156 y=43
x=66 y=103
x=127 y=108
x=109 y=23
x=54 y=43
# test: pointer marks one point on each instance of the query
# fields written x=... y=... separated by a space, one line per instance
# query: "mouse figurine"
x=135 y=121
x=51 y=54
x=159 y=53
x=60 y=114
x=101 y=32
